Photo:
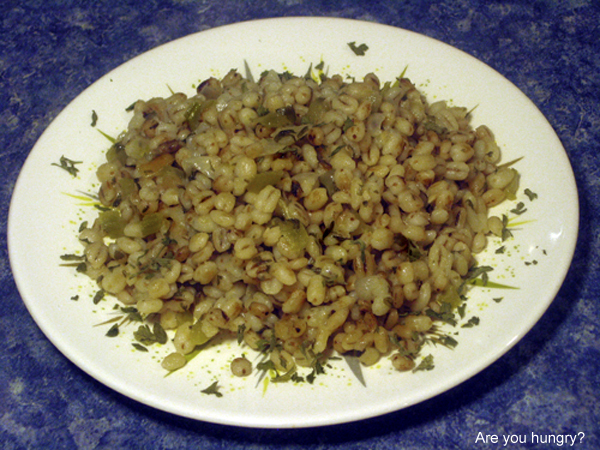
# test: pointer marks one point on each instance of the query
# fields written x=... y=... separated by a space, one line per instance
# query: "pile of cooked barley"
x=301 y=215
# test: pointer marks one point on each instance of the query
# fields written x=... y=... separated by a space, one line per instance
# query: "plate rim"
x=257 y=22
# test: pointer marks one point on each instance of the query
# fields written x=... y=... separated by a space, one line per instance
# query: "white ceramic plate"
x=43 y=221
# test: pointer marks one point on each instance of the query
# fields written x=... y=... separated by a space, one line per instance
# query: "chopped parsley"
x=94 y=118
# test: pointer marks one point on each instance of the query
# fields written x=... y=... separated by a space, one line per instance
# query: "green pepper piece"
x=151 y=224
x=282 y=117
x=264 y=179
x=316 y=109
x=450 y=296
x=328 y=183
x=112 y=223
x=294 y=236
x=193 y=115
x=513 y=186
x=127 y=186
x=116 y=152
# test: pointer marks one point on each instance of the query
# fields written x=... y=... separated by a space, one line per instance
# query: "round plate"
x=48 y=206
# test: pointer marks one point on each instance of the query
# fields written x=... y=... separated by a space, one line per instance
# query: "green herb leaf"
x=297 y=378
x=363 y=247
x=248 y=72
x=144 y=335
x=358 y=50
x=159 y=333
x=94 y=118
x=68 y=165
x=347 y=124
x=471 y=322
x=148 y=337
x=479 y=272
x=139 y=347
x=285 y=377
x=132 y=314
x=491 y=284
x=443 y=315
x=107 y=136
x=505 y=231
x=447 y=341
x=425 y=364
x=265 y=366
x=113 y=331
x=98 y=296
x=336 y=150
x=267 y=346
x=461 y=310
x=520 y=209
x=414 y=252
x=213 y=389
x=72 y=257
x=240 y=333
x=532 y=195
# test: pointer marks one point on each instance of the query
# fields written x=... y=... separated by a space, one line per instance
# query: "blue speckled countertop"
x=548 y=384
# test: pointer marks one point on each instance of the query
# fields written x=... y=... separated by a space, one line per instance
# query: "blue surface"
x=548 y=384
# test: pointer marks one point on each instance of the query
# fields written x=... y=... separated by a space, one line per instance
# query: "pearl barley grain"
x=241 y=367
